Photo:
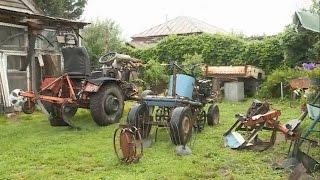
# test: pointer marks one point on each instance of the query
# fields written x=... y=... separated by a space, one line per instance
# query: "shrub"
x=271 y=87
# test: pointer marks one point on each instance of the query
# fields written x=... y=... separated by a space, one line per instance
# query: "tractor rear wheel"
x=181 y=125
x=138 y=116
x=107 y=104
x=213 y=115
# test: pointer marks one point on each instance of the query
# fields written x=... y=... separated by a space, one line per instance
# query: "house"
x=28 y=47
x=178 y=26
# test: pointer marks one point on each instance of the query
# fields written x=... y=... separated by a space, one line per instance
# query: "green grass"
x=31 y=149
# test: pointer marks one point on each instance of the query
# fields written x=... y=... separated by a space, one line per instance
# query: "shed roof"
x=23 y=18
x=180 y=25
x=25 y=6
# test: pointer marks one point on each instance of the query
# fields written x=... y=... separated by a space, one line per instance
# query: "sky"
x=250 y=17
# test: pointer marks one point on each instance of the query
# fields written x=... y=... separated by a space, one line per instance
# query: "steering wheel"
x=108 y=57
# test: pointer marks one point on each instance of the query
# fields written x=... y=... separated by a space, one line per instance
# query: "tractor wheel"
x=181 y=125
x=213 y=115
x=55 y=117
x=107 y=104
x=138 y=115
x=28 y=107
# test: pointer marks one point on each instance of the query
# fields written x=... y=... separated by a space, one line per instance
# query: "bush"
x=271 y=87
x=192 y=64
x=154 y=74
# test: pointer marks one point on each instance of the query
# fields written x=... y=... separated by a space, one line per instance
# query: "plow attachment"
x=235 y=138
x=56 y=98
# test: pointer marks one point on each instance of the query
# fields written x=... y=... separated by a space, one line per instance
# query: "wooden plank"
x=14 y=1
x=31 y=6
x=14 y=5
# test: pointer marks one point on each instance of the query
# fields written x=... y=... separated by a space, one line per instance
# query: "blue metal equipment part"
x=184 y=85
x=168 y=101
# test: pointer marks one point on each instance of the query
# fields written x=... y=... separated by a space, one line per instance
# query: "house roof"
x=307 y=20
x=24 y=6
x=180 y=25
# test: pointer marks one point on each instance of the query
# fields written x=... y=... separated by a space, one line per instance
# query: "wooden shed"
x=28 y=47
x=250 y=75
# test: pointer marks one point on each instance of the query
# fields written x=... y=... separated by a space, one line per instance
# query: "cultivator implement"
x=257 y=123
x=180 y=112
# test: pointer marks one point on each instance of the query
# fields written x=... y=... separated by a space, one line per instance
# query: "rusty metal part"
x=127 y=142
x=300 y=83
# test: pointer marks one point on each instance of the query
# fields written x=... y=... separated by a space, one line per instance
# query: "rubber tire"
x=133 y=119
x=55 y=117
x=177 y=135
x=213 y=115
x=97 y=103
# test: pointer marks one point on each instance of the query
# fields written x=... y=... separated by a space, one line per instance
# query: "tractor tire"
x=213 y=115
x=139 y=114
x=55 y=117
x=181 y=125
x=107 y=104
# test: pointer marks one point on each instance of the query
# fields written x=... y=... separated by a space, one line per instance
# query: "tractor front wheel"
x=181 y=125
x=107 y=104
x=139 y=117
x=213 y=115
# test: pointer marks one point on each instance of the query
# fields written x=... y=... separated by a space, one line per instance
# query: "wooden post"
x=281 y=84
x=32 y=36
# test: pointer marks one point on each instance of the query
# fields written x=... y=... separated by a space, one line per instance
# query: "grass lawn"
x=31 y=149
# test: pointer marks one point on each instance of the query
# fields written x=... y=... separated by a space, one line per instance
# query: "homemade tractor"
x=181 y=111
x=103 y=91
x=244 y=132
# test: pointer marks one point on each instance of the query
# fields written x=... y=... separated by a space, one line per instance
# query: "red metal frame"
x=55 y=85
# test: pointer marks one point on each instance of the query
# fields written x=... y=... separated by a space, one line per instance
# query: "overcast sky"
x=251 y=17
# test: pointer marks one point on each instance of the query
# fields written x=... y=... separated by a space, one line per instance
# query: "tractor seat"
x=76 y=62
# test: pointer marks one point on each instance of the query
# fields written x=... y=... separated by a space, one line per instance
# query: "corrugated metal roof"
x=25 y=6
x=180 y=25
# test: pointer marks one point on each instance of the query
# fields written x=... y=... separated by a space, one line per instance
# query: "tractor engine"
x=205 y=89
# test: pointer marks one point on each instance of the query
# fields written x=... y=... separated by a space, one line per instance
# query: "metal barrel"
x=184 y=85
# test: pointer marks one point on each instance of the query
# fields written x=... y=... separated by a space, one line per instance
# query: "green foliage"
x=100 y=37
x=315 y=7
x=271 y=87
x=299 y=46
x=215 y=49
x=315 y=73
x=154 y=73
x=314 y=52
x=69 y=9
x=192 y=64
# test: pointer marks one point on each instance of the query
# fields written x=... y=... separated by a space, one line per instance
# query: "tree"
x=69 y=9
x=100 y=37
x=315 y=6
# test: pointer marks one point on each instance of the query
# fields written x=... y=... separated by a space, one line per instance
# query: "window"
x=48 y=41
x=16 y=63
x=13 y=38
